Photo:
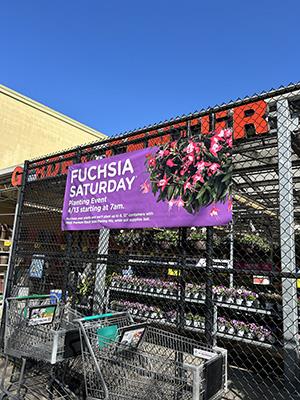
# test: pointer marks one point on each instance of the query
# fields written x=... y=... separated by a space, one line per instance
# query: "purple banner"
x=164 y=187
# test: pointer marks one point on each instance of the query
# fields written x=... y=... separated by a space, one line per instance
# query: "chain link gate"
x=235 y=286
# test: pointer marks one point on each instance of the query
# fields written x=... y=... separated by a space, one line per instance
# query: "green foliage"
x=191 y=172
x=253 y=241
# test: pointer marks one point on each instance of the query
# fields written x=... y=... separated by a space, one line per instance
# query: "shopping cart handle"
x=31 y=297
x=99 y=316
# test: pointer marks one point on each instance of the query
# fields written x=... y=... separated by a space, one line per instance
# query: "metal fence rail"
x=233 y=286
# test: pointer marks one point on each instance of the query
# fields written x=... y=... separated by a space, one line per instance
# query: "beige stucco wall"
x=28 y=129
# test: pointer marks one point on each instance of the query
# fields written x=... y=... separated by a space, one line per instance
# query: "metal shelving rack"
x=239 y=308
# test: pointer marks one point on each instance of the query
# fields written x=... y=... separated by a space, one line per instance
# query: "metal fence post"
x=100 y=272
x=16 y=231
x=100 y=275
x=182 y=279
x=210 y=309
x=287 y=244
x=15 y=243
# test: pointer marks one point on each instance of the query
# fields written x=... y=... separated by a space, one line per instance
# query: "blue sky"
x=118 y=65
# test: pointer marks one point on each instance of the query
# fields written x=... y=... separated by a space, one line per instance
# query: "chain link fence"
x=233 y=287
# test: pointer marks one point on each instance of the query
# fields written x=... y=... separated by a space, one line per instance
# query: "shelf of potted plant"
x=248 y=333
x=144 y=293
x=239 y=299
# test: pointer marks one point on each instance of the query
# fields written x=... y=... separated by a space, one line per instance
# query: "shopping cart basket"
x=38 y=328
x=41 y=329
x=124 y=360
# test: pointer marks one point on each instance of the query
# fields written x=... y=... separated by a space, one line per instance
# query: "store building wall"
x=29 y=129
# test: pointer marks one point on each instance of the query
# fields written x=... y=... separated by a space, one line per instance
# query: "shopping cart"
x=124 y=360
x=37 y=328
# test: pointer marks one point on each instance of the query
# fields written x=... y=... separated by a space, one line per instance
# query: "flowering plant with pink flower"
x=193 y=172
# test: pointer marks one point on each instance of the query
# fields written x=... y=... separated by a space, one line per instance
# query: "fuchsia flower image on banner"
x=193 y=172
x=186 y=182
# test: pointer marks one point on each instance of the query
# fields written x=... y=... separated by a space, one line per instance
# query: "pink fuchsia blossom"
x=213 y=168
x=191 y=158
x=171 y=203
x=185 y=167
x=180 y=203
x=215 y=147
x=173 y=145
x=201 y=165
x=187 y=186
x=227 y=133
x=163 y=153
x=198 y=178
x=191 y=147
x=222 y=135
x=229 y=208
x=214 y=212
x=152 y=162
x=229 y=142
x=145 y=187
x=162 y=183
x=170 y=163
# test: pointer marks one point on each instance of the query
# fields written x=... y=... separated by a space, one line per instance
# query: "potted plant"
x=134 y=282
x=145 y=285
x=202 y=322
x=155 y=312
x=159 y=286
x=230 y=327
x=188 y=290
x=117 y=281
x=127 y=282
x=144 y=311
x=114 y=304
x=250 y=331
x=140 y=309
x=165 y=287
x=189 y=319
x=135 y=309
x=172 y=288
x=198 y=239
x=262 y=333
x=229 y=295
x=249 y=297
x=219 y=292
x=240 y=328
x=114 y=281
x=221 y=324
x=152 y=285
x=198 y=321
x=239 y=296
x=171 y=316
x=202 y=288
x=140 y=284
x=195 y=291
x=270 y=300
